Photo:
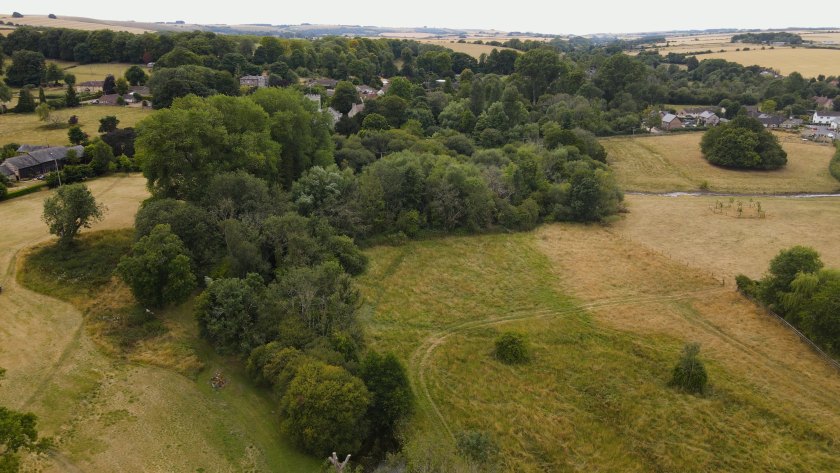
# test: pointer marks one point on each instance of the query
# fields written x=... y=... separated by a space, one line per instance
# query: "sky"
x=546 y=16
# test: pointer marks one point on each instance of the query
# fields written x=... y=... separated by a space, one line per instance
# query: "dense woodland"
x=262 y=203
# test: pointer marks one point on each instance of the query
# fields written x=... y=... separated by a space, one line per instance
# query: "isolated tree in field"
x=345 y=97
x=135 y=75
x=512 y=348
x=158 y=269
x=70 y=209
x=76 y=135
x=27 y=68
x=323 y=409
x=26 y=103
x=743 y=143
x=690 y=375
x=108 y=124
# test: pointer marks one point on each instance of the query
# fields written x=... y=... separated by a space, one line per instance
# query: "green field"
x=674 y=163
x=27 y=129
x=117 y=413
x=606 y=319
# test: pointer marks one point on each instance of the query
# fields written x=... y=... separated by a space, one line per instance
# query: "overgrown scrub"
x=806 y=294
x=689 y=374
x=512 y=348
x=834 y=165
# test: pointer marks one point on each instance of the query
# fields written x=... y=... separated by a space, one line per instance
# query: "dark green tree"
x=135 y=75
x=689 y=374
x=70 y=97
x=158 y=269
x=27 y=68
x=345 y=97
x=76 y=135
x=110 y=85
x=743 y=143
x=108 y=124
x=512 y=348
x=391 y=397
x=26 y=103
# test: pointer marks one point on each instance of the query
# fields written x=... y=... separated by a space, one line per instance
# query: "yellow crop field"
x=808 y=62
x=474 y=50
x=674 y=163
x=27 y=129
x=73 y=23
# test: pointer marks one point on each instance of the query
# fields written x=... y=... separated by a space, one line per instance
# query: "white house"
x=826 y=118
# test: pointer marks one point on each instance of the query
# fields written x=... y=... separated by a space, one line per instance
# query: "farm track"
x=420 y=358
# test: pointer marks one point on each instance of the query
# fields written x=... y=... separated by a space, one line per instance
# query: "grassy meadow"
x=126 y=410
x=606 y=319
x=674 y=163
x=474 y=50
x=72 y=23
x=27 y=129
x=808 y=62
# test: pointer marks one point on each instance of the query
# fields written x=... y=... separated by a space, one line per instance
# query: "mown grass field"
x=606 y=319
x=86 y=72
x=105 y=412
x=27 y=129
x=808 y=62
x=674 y=163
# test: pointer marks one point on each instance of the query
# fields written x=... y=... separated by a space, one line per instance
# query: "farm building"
x=791 y=123
x=671 y=122
x=38 y=162
x=253 y=81
x=708 y=118
x=90 y=86
x=114 y=99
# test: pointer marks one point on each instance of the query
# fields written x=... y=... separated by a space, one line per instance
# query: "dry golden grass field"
x=86 y=72
x=808 y=62
x=73 y=23
x=686 y=229
x=107 y=414
x=674 y=163
x=27 y=129
x=474 y=50
x=606 y=318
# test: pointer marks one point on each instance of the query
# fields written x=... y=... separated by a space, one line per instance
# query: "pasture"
x=27 y=129
x=108 y=414
x=808 y=62
x=686 y=229
x=674 y=163
x=606 y=319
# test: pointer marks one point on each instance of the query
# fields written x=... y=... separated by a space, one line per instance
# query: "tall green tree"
x=345 y=97
x=70 y=209
x=158 y=269
x=540 y=67
x=27 y=68
x=26 y=102
x=135 y=75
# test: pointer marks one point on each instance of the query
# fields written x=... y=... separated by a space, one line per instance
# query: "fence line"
x=831 y=361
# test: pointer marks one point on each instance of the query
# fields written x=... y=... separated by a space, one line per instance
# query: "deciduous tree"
x=70 y=209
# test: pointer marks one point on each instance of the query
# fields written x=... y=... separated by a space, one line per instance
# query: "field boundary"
x=23 y=192
x=819 y=351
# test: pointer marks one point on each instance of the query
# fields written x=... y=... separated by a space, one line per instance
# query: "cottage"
x=324 y=82
x=90 y=86
x=38 y=162
x=671 y=122
x=253 y=81
x=771 y=121
x=826 y=118
x=708 y=118
x=114 y=99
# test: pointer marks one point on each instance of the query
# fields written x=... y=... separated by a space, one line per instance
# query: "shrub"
x=746 y=285
x=690 y=375
x=512 y=348
x=476 y=446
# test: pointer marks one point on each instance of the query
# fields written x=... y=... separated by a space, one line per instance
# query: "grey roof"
x=669 y=117
x=41 y=156
x=28 y=148
x=828 y=114
x=6 y=171
x=707 y=114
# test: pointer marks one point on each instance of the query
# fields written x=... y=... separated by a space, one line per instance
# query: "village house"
x=824 y=103
x=792 y=123
x=831 y=119
x=671 y=122
x=327 y=83
x=114 y=99
x=708 y=118
x=90 y=86
x=254 y=81
x=37 y=162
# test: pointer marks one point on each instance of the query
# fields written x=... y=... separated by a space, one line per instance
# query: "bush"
x=476 y=446
x=512 y=348
x=690 y=375
x=746 y=285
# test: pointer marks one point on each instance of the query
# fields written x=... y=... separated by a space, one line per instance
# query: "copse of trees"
x=743 y=143
x=800 y=289
x=767 y=38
